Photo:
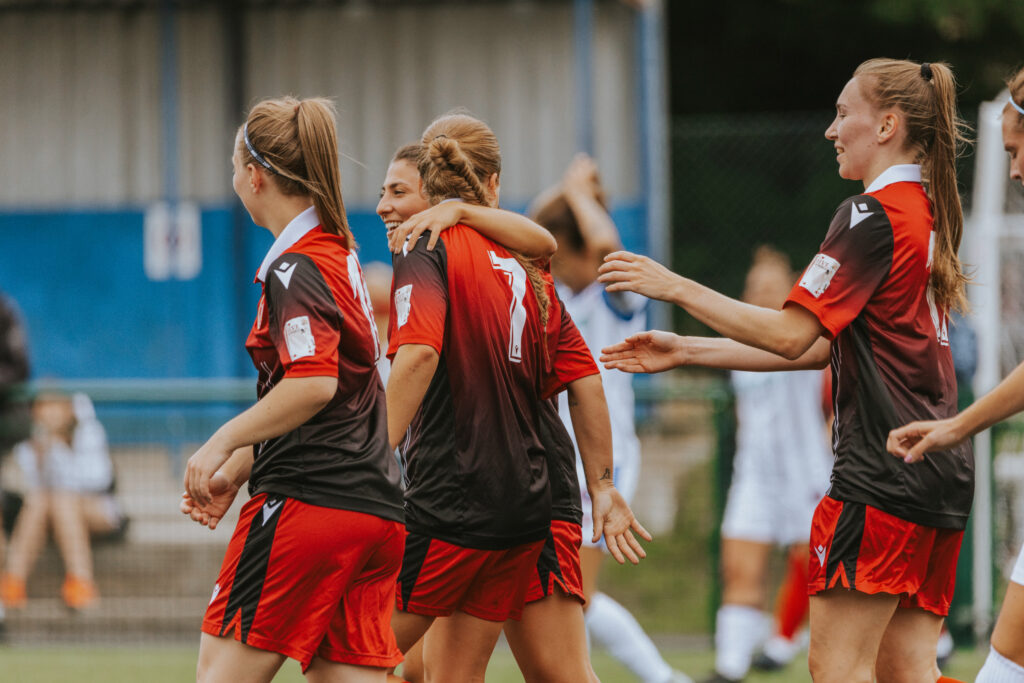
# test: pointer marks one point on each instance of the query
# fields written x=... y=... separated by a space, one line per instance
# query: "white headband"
x=1020 y=109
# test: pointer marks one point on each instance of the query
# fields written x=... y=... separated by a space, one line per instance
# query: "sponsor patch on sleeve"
x=403 y=302
x=819 y=274
x=299 y=338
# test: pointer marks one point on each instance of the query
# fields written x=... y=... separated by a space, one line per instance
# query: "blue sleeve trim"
x=621 y=312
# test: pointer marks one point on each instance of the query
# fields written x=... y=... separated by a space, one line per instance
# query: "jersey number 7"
x=515 y=277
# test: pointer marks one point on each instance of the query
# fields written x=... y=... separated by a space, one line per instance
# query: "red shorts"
x=439 y=578
x=856 y=546
x=306 y=581
x=558 y=564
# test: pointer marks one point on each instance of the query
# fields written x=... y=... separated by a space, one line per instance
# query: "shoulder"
x=286 y=268
x=860 y=210
x=299 y=274
x=417 y=256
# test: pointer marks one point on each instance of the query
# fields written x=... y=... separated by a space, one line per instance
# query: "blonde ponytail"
x=926 y=95
x=297 y=142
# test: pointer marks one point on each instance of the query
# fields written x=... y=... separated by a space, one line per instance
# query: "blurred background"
x=131 y=262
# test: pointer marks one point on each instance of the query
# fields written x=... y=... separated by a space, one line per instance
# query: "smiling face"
x=400 y=196
x=1013 y=142
x=855 y=133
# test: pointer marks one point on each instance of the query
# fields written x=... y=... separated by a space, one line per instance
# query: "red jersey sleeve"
x=572 y=359
x=305 y=322
x=852 y=262
x=419 y=299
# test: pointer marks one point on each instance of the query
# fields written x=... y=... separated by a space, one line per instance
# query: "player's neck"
x=282 y=211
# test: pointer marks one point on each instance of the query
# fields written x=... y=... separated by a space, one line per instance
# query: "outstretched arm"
x=657 y=351
x=507 y=228
x=788 y=333
x=612 y=515
x=912 y=441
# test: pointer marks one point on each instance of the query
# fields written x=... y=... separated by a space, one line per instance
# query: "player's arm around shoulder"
x=509 y=229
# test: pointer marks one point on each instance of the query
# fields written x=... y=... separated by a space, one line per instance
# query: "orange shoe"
x=12 y=591
x=79 y=593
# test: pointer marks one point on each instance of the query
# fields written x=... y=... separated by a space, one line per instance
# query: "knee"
x=555 y=669
x=900 y=670
x=828 y=669
x=742 y=585
x=741 y=588
x=36 y=503
x=815 y=664
x=202 y=671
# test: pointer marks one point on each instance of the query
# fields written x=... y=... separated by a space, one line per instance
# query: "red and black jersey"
x=891 y=363
x=570 y=360
x=315 y=320
x=476 y=469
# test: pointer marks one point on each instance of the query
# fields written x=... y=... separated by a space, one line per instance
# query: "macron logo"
x=858 y=212
x=269 y=508
x=820 y=552
x=284 y=273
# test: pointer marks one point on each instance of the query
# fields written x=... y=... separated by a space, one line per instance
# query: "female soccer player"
x=311 y=567
x=470 y=326
x=1005 y=662
x=552 y=615
x=885 y=539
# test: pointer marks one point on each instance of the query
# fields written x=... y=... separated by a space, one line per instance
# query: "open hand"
x=626 y=271
x=651 y=351
x=615 y=520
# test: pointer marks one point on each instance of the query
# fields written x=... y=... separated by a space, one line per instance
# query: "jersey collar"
x=900 y=173
x=292 y=233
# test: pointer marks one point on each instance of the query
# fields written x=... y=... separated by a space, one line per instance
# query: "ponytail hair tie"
x=438 y=137
x=926 y=71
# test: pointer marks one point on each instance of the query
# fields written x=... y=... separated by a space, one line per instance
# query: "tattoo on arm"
x=573 y=402
x=607 y=474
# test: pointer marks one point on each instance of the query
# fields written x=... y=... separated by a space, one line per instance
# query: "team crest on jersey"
x=819 y=274
x=403 y=302
x=299 y=338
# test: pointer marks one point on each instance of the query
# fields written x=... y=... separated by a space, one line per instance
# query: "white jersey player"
x=780 y=472
x=603 y=319
x=576 y=214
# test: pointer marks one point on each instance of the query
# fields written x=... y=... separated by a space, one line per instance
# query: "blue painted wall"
x=91 y=312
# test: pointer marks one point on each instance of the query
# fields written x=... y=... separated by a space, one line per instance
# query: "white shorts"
x=770 y=510
x=1018 y=569
x=626 y=476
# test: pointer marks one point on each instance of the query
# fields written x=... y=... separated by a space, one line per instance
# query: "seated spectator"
x=67 y=484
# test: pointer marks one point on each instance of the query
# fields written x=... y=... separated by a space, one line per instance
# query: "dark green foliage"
x=792 y=55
